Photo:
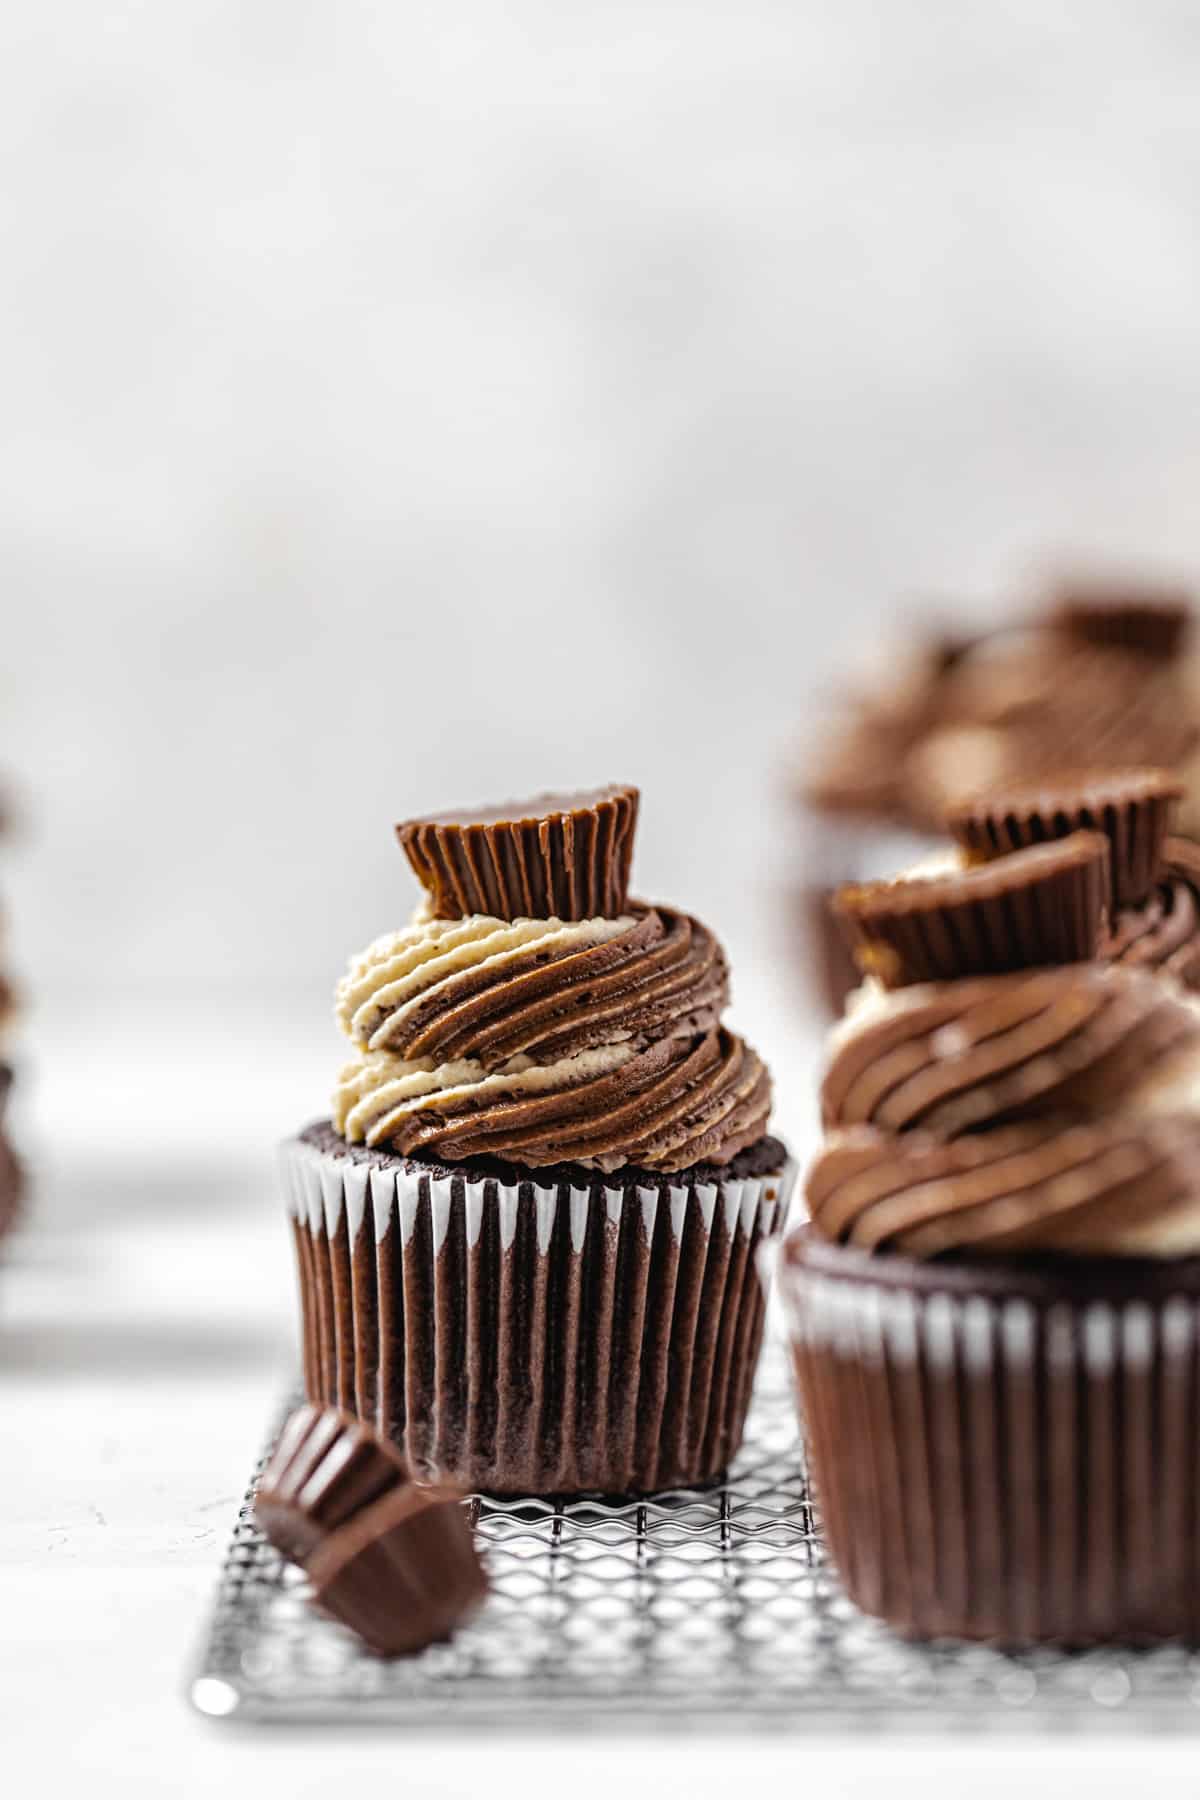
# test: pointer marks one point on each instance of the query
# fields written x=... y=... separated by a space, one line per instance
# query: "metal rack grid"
x=714 y=1608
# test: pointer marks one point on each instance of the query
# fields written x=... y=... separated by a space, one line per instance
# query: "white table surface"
x=145 y=1333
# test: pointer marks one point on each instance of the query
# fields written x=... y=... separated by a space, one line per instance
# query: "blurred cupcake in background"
x=1098 y=675
x=527 y=1238
x=995 y=1305
x=11 y=1176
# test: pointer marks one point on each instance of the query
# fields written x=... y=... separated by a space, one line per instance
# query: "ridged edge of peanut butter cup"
x=1132 y=807
x=1150 y=621
x=1043 y=905
x=404 y=1573
x=558 y=856
x=325 y=1468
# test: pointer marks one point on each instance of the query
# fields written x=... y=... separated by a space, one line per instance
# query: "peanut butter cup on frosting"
x=1149 y=621
x=995 y=1304
x=1045 y=904
x=527 y=1236
x=562 y=856
x=1132 y=807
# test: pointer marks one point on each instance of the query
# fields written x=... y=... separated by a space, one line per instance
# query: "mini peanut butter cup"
x=1045 y=904
x=325 y=1468
x=559 y=856
x=393 y=1561
x=1132 y=807
x=1151 y=621
x=404 y=1573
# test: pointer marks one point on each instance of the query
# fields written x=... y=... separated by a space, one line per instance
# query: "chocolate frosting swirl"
x=963 y=1055
x=540 y=1041
x=487 y=989
x=1054 y=1110
x=1164 y=934
x=1122 y=1186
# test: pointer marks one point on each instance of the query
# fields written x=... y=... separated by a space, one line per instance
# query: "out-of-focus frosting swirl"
x=1164 y=934
x=1122 y=1186
x=595 y=1042
x=958 y=1056
x=1056 y=1110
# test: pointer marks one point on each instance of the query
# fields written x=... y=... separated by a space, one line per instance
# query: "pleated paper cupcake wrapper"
x=1000 y=1468
x=534 y=1339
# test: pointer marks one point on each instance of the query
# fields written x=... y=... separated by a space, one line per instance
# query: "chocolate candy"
x=1045 y=904
x=560 y=856
x=1149 y=621
x=393 y=1561
x=404 y=1573
x=1131 y=807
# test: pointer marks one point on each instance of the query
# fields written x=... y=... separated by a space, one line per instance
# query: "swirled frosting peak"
x=596 y=1041
x=1055 y=1110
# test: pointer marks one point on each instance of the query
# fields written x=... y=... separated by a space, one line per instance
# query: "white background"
x=405 y=404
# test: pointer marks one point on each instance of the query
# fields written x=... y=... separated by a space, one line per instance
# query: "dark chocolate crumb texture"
x=527 y=1238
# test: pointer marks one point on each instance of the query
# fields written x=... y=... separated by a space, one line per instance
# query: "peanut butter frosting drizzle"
x=543 y=1041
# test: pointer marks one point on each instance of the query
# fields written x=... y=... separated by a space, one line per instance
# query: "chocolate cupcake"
x=527 y=1237
x=995 y=1306
x=1096 y=674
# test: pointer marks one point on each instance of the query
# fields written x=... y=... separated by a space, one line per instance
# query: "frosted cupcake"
x=527 y=1236
x=995 y=1308
x=1095 y=673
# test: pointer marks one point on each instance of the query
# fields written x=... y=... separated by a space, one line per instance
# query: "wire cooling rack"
x=714 y=1608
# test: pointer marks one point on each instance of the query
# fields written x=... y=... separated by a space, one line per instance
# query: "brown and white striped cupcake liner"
x=1004 y=1453
x=532 y=1338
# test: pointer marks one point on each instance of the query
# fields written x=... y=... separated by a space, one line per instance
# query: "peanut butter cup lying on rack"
x=394 y=1562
